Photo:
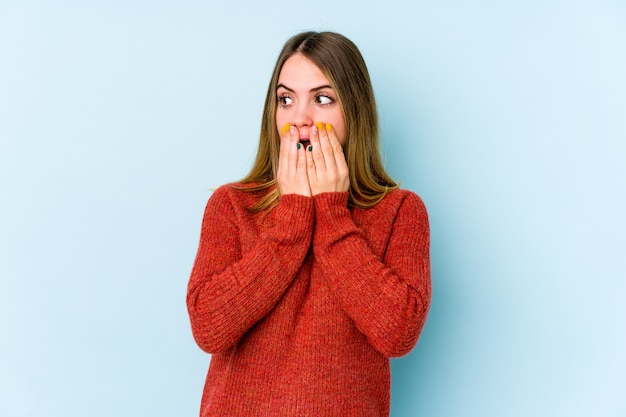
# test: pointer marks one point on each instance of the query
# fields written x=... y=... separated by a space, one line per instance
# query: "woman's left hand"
x=326 y=164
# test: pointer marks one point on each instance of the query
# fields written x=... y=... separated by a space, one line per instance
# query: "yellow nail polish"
x=285 y=128
x=319 y=125
x=328 y=127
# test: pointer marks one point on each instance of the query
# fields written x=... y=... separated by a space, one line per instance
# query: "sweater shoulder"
x=401 y=199
x=398 y=205
x=238 y=198
x=235 y=195
x=403 y=194
x=233 y=189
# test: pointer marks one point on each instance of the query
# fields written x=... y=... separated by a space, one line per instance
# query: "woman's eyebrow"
x=321 y=87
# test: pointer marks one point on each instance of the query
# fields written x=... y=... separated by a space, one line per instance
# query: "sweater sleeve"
x=388 y=299
x=229 y=291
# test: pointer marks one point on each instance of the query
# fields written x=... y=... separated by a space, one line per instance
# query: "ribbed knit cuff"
x=332 y=220
x=330 y=207
x=292 y=219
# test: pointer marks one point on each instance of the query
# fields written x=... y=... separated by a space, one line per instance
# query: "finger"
x=341 y=164
x=293 y=144
x=302 y=160
x=283 y=151
x=333 y=140
x=310 y=163
x=339 y=157
x=287 y=158
x=326 y=146
x=332 y=169
x=284 y=135
x=317 y=152
x=302 y=168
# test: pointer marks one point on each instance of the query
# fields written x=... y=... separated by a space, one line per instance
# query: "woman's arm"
x=229 y=291
x=388 y=300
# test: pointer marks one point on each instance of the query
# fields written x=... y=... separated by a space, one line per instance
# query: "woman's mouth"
x=305 y=143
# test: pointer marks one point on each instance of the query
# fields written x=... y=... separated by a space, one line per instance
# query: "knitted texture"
x=301 y=307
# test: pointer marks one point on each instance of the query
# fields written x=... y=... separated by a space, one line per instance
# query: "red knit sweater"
x=302 y=307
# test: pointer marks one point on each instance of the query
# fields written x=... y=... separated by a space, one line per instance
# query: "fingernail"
x=299 y=146
x=310 y=148
x=292 y=129
x=328 y=127
x=314 y=129
x=285 y=128
x=319 y=125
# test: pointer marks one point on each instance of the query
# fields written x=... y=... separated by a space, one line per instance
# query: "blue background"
x=117 y=117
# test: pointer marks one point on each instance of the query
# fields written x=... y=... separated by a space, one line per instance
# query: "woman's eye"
x=323 y=100
x=284 y=100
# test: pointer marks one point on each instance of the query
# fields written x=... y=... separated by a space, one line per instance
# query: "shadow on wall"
x=422 y=376
x=409 y=148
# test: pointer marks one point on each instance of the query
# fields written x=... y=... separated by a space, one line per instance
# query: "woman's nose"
x=303 y=116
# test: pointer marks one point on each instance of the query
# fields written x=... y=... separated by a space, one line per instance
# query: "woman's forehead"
x=299 y=72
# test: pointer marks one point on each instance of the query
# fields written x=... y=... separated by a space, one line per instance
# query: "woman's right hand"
x=292 y=166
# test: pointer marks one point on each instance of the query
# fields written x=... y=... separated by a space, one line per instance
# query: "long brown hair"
x=341 y=62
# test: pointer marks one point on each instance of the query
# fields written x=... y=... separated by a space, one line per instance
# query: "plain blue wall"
x=509 y=120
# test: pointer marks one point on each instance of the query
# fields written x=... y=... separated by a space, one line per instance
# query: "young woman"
x=314 y=269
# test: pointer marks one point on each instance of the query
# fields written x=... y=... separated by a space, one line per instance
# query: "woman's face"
x=305 y=98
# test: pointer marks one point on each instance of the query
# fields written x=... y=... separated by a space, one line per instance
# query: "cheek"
x=341 y=135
